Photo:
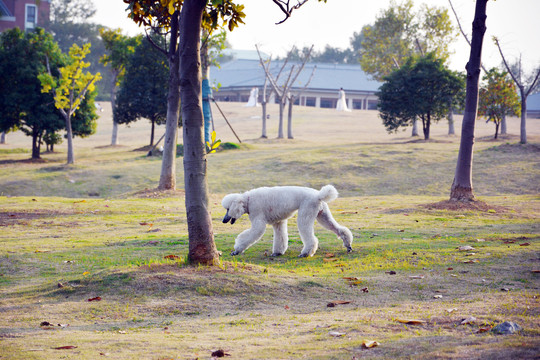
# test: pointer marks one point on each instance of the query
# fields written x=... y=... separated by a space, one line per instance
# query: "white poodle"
x=274 y=205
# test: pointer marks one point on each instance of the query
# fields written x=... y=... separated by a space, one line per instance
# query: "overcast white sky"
x=515 y=22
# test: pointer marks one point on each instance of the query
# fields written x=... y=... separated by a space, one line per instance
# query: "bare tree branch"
x=287 y=8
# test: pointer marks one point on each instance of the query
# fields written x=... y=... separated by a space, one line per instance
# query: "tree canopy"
x=143 y=91
x=498 y=98
x=422 y=88
x=399 y=33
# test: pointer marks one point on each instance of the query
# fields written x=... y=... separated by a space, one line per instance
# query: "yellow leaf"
x=171 y=7
x=411 y=321
x=85 y=273
x=213 y=137
x=369 y=343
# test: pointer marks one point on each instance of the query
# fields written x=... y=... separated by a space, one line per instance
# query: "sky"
x=515 y=22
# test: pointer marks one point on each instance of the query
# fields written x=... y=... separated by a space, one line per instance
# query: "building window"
x=310 y=101
x=328 y=103
x=31 y=16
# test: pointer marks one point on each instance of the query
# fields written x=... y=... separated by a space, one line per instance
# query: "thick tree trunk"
x=202 y=249
x=114 y=137
x=523 y=125
x=451 y=129
x=462 y=188
x=496 y=130
x=167 y=178
x=289 y=119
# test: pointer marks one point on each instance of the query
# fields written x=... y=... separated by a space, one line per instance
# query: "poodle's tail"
x=328 y=193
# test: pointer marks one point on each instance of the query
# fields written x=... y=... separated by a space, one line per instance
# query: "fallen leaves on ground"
x=329 y=255
x=337 y=302
x=525 y=244
x=336 y=333
x=171 y=257
x=411 y=321
x=329 y=260
x=67 y=347
x=97 y=298
x=416 y=276
x=465 y=248
x=484 y=329
x=471 y=261
x=369 y=343
x=468 y=321
x=220 y=353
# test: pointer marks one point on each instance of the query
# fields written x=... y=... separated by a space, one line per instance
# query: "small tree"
x=143 y=91
x=525 y=87
x=70 y=88
x=24 y=106
x=498 y=98
x=119 y=48
x=420 y=88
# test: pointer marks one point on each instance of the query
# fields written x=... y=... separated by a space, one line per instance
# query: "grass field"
x=98 y=231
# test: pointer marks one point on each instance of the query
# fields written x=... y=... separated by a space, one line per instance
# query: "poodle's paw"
x=303 y=255
x=276 y=254
x=234 y=253
x=349 y=249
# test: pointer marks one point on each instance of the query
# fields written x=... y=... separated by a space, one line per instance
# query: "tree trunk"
x=280 y=127
x=202 y=249
x=496 y=129
x=152 y=131
x=114 y=137
x=35 y=146
x=503 y=125
x=263 y=106
x=289 y=118
x=451 y=130
x=414 y=127
x=3 y=137
x=167 y=178
x=70 y=155
x=462 y=188
x=523 y=126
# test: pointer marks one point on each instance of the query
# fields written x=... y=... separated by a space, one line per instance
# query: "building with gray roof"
x=235 y=79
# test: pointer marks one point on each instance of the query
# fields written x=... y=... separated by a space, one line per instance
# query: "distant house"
x=24 y=14
x=237 y=77
x=533 y=106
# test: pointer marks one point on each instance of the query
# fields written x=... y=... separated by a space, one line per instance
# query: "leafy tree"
x=525 y=87
x=462 y=189
x=119 y=48
x=498 y=98
x=420 y=88
x=398 y=33
x=143 y=91
x=70 y=89
x=194 y=15
x=22 y=57
x=70 y=24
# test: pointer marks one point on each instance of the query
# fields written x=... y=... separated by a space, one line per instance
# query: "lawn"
x=93 y=260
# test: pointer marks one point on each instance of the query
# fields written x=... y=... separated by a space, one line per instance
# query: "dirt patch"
x=24 y=161
x=158 y=194
x=8 y=218
x=475 y=205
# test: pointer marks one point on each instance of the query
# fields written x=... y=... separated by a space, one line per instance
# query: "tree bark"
x=167 y=178
x=114 y=137
x=280 y=126
x=35 y=146
x=451 y=129
x=202 y=249
x=70 y=155
x=462 y=188
x=289 y=118
x=414 y=127
x=152 y=131
x=523 y=124
x=503 y=125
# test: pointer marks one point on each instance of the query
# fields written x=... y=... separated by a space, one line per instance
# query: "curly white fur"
x=274 y=205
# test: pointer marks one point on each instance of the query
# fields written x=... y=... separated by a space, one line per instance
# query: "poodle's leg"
x=326 y=219
x=249 y=237
x=281 y=238
x=306 y=219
